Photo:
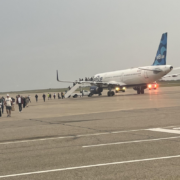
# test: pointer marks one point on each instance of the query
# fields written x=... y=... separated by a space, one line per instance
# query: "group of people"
x=86 y=79
x=22 y=101
x=59 y=95
x=9 y=103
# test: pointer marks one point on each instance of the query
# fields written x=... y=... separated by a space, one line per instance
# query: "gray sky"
x=81 y=38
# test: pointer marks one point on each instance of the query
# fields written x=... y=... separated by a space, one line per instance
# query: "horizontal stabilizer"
x=155 y=69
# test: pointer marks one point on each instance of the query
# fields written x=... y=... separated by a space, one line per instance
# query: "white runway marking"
x=82 y=135
x=173 y=131
x=89 y=166
x=127 y=142
x=64 y=137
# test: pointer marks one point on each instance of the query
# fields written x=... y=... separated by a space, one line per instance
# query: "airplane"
x=138 y=78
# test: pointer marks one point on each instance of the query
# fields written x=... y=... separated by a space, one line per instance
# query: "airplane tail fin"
x=160 y=58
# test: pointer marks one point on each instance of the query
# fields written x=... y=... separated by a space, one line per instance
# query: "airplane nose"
x=171 y=67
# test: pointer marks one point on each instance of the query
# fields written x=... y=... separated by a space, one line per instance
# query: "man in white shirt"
x=8 y=103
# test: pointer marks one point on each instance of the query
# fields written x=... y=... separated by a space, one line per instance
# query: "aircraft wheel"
x=142 y=91
x=108 y=93
x=138 y=91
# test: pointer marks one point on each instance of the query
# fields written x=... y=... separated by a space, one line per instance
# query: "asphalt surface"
x=127 y=136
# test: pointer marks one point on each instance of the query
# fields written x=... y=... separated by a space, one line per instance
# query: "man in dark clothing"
x=2 y=107
x=24 y=102
x=36 y=96
x=44 y=97
x=62 y=95
x=19 y=101
x=59 y=96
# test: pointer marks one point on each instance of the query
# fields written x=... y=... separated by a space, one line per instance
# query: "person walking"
x=24 y=102
x=19 y=102
x=2 y=106
x=48 y=96
x=44 y=97
x=36 y=96
x=54 y=95
x=59 y=97
x=8 y=103
x=29 y=98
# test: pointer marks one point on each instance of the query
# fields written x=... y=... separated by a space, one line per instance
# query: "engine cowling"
x=96 y=90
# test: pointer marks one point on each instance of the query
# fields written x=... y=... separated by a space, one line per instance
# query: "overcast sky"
x=81 y=38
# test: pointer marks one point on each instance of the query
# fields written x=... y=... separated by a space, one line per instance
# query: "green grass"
x=168 y=83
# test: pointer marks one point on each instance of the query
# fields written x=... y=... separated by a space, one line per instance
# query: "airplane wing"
x=63 y=80
x=114 y=83
x=93 y=82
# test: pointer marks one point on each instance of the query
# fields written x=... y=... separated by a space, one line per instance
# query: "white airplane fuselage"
x=134 y=76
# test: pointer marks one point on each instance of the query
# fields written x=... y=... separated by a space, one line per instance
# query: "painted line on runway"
x=65 y=137
x=173 y=131
x=89 y=166
x=128 y=142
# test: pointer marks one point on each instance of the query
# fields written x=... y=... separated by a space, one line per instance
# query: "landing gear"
x=100 y=94
x=90 y=95
x=140 y=90
x=110 y=93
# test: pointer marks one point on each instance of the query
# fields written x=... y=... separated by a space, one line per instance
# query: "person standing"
x=59 y=96
x=48 y=96
x=36 y=96
x=8 y=103
x=44 y=97
x=19 y=101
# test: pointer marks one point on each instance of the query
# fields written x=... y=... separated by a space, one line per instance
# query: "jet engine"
x=95 y=90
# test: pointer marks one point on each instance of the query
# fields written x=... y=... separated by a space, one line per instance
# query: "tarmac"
x=127 y=136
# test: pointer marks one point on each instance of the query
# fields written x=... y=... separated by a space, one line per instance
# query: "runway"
x=127 y=136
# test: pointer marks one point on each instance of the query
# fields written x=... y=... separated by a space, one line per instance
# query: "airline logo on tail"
x=160 y=58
